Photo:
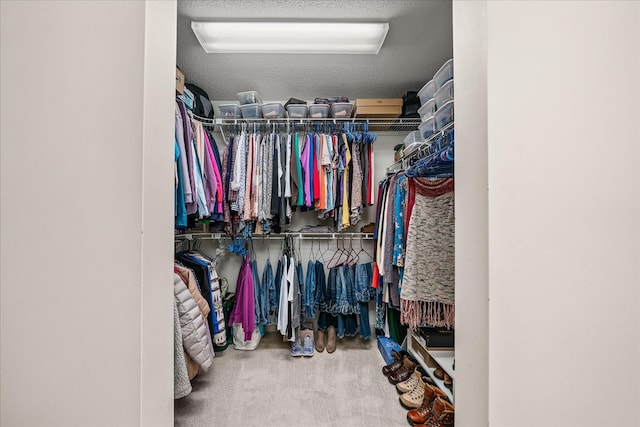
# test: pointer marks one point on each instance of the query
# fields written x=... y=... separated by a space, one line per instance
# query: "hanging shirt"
x=283 y=308
x=180 y=209
x=300 y=197
x=217 y=175
x=304 y=160
x=192 y=206
x=218 y=171
x=200 y=196
x=327 y=160
x=346 y=184
x=239 y=173
x=184 y=168
x=248 y=178
x=287 y=172
x=356 y=185
x=316 y=170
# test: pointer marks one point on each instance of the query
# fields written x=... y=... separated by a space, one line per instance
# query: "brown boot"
x=319 y=341
x=421 y=414
x=395 y=365
x=405 y=371
x=331 y=339
x=442 y=413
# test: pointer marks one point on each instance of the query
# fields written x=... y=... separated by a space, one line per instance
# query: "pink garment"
x=306 y=178
x=216 y=171
x=244 y=311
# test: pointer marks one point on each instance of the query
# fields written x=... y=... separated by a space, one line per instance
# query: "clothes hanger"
x=330 y=262
x=362 y=249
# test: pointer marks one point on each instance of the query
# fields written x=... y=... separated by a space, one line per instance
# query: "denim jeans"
x=364 y=274
x=325 y=320
x=274 y=304
x=320 y=295
x=267 y=286
x=309 y=303
x=300 y=277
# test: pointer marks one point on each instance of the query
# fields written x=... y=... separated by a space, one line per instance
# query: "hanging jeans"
x=266 y=287
x=257 y=289
x=325 y=297
x=274 y=305
x=353 y=307
x=364 y=273
x=309 y=305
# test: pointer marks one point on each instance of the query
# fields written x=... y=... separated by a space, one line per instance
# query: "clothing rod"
x=403 y=123
x=275 y=236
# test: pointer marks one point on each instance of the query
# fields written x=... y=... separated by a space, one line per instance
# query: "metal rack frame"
x=406 y=161
x=399 y=124
x=274 y=236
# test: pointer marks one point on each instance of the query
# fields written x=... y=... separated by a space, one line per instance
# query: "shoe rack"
x=431 y=359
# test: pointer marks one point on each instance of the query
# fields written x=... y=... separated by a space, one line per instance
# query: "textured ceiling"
x=419 y=41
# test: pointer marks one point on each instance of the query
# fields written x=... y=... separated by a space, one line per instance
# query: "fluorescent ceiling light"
x=291 y=37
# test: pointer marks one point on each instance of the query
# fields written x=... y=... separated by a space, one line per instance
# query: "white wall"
x=472 y=277
x=156 y=376
x=75 y=202
x=564 y=209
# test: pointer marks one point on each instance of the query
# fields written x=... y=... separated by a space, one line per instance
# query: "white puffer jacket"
x=195 y=331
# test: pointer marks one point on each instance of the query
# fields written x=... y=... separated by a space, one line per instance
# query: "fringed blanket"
x=428 y=287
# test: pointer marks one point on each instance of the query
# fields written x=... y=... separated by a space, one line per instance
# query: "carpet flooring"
x=269 y=388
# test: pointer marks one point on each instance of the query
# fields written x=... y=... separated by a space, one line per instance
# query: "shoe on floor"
x=319 y=341
x=296 y=348
x=408 y=385
x=414 y=398
x=307 y=346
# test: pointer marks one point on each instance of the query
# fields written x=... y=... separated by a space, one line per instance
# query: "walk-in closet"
x=94 y=324
x=314 y=216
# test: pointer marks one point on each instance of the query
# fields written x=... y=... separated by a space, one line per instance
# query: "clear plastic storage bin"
x=230 y=111
x=427 y=92
x=444 y=115
x=444 y=94
x=272 y=110
x=319 y=111
x=251 y=111
x=250 y=97
x=341 y=110
x=428 y=127
x=412 y=137
x=297 y=111
x=428 y=109
x=444 y=74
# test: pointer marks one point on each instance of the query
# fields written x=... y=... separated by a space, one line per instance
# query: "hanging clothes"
x=428 y=291
x=244 y=310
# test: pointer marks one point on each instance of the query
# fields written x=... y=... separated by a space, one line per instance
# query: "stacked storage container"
x=436 y=97
x=250 y=104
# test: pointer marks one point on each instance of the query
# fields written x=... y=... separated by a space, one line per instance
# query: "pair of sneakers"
x=304 y=348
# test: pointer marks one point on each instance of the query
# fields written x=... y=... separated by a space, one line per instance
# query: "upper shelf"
x=399 y=124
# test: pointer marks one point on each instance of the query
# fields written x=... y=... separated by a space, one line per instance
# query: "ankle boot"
x=319 y=341
x=331 y=339
x=442 y=413
x=405 y=371
x=413 y=399
x=421 y=414
x=395 y=365
x=408 y=385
